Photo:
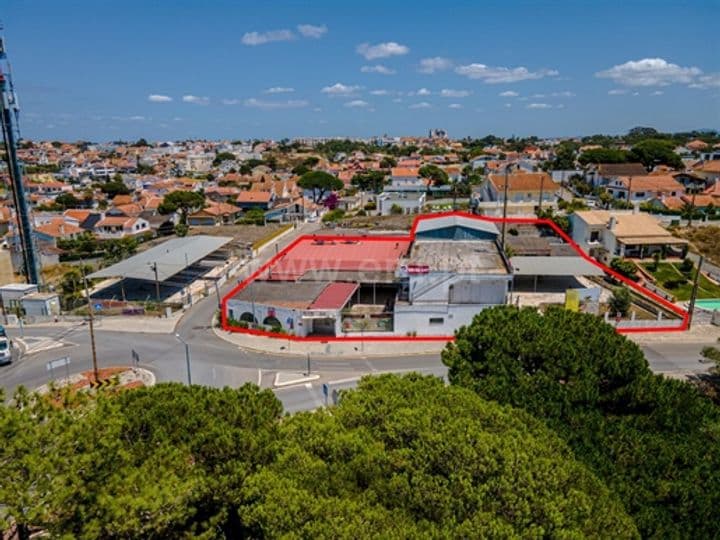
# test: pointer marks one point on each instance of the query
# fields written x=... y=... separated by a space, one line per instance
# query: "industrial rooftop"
x=461 y=256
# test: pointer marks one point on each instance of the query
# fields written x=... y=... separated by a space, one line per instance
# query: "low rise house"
x=606 y=235
x=115 y=227
x=603 y=173
x=409 y=203
x=644 y=188
x=215 y=214
x=263 y=200
x=406 y=179
x=521 y=187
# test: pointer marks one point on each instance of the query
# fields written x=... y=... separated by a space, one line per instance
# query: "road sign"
x=98 y=307
x=58 y=363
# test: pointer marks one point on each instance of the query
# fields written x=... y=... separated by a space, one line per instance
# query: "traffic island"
x=108 y=379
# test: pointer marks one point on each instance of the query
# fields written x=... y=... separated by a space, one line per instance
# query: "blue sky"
x=104 y=70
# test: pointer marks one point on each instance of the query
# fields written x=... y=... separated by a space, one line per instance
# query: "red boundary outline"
x=410 y=237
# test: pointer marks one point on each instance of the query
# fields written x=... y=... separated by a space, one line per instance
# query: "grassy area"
x=669 y=277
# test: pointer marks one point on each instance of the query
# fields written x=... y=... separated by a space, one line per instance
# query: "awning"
x=334 y=296
x=649 y=240
x=553 y=266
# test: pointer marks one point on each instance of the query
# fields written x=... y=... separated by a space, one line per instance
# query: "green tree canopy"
x=604 y=155
x=113 y=188
x=223 y=156
x=320 y=183
x=434 y=173
x=182 y=201
x=654 y=441
x=401 y=457
x=67 y=200
x=652 y=152
x=369 y=181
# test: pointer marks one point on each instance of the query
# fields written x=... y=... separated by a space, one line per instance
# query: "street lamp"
x=187 y=357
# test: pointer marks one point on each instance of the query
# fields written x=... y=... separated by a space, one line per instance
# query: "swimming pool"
x=710 y=305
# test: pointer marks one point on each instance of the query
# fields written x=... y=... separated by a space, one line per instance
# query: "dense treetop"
x=654 y=441
x=400 y=457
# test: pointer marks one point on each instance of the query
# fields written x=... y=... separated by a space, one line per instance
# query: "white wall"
x=416 y=318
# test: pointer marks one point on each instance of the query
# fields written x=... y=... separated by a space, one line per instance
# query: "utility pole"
x=157 y=282
x=693 y=296
x=692 y=204
x=542 y=188
x=91 y=324
x=187 y=357
x=505 y=203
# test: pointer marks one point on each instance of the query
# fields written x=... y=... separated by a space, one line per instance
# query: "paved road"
x=218 y=363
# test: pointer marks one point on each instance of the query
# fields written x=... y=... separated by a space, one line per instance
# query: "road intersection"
x=218 y=362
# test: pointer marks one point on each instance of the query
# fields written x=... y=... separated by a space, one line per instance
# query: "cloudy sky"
x=102 y=70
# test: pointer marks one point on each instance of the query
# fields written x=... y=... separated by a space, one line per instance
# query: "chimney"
x=611 y=223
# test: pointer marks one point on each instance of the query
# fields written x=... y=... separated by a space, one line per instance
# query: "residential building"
x=408 y=202
x=521 y=187
x=644 y=188
x=115 y=227
x=606 y=235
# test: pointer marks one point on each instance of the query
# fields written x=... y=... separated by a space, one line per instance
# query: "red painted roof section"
x=334 y=296
x=372 y=255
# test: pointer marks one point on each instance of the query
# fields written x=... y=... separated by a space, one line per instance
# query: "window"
x=595 y=236
x=437 y=320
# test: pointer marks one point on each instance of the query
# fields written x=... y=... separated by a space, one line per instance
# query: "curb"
x=321 y=356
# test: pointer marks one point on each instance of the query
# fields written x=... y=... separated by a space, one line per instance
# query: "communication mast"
x=9 y=119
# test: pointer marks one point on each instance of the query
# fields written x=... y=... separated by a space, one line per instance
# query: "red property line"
x=410 y=237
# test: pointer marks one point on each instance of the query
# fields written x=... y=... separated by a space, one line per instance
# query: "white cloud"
x=379 y=68
x=508 y=93
x=657 y=93
x=232 y=101
x=279 y=90
x=397 y=100
x=538 y=106
x=339 y=89
x=538 y=96
x=357 y=103
x=159 y=98
x=197 y=100
x=561 y=106
x=260 y=38
x=262 y=104
x=617 y=92
x=649 y=72
x=381 y=50
x=448 y=93
x=707 y=81
x=379 y=92
x=436 y=63
x=312 y=31
x=423 y=92
x=455 y=106
x=636 y=93
x=137 y=118
x=421 y=105
x=497 y=75
x=565 y=93
x=508 y=105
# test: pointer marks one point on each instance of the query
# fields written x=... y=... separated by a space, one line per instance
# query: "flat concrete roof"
x=553 y=266
x=171 y=257
x=461 y=256
x=298 y=295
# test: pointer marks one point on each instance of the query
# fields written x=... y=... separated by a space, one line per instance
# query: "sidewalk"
x=698 y=333
x=353 y=349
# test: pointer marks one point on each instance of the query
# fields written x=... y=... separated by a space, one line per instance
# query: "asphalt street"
x=216 y=362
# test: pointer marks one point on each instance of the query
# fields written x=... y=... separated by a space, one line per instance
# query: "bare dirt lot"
x=380 y=223
x=706 y=240
x=244 y=233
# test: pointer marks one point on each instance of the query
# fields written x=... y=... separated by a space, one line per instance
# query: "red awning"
x=334 y=296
